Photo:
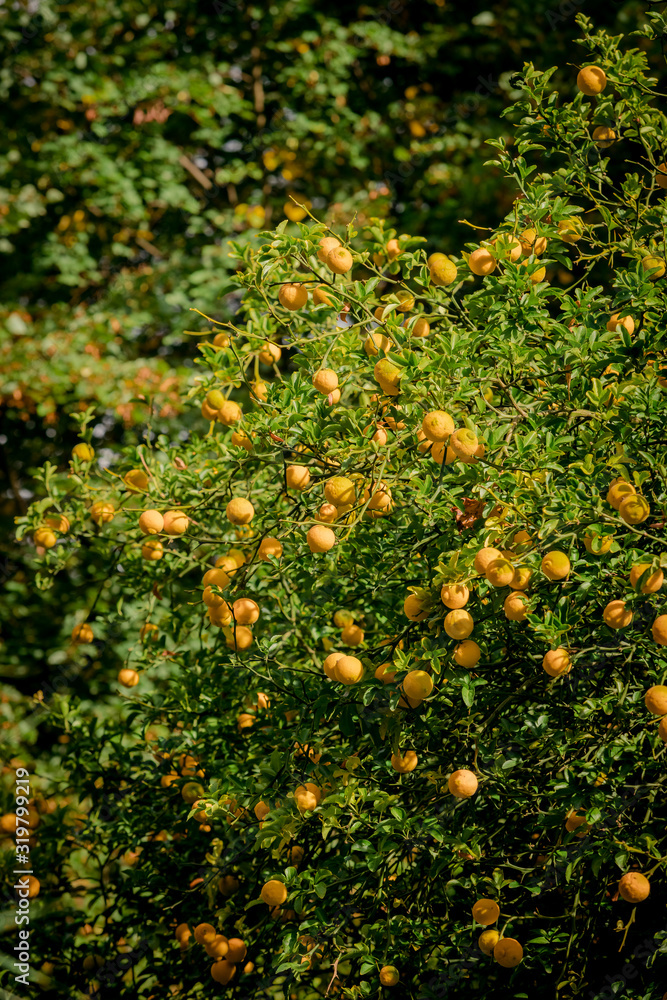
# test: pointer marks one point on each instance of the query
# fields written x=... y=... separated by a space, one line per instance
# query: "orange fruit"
x=417 y=685
x=205 y=933
x=485 y=912
x=406 y=763
x=487 y=941
x=655 y=699
x=389 y=975
x=240 y=511
x=325 y=246
x=320 y=538
x=388 y=377
x=348 y=670
x=246 y=611
x=634 y=887
x=597 y=545
x=620 y=321
x=414 y=609
x=44 y=537
x=136 y=480
x=443 y=271
x=237 y=950
x=557 y=662
x=151 y=522
x=618 y=490
x=83 y=452
x=269 y=548
x=176 y=522
x=659 y=630
x=484 y=557
x=102 y=512
x=463 y=442
x=603 y=137
x=292 y=296
x=223 y=971
x=273 y=892
x=339 y=260
x=454 y=595
x=653 y=581
x=152 y=549
x=458 y=624
x=340 y=491
x=385 y=673
x=500 y=572
x=239 y=639
x=634 y=509
x=82 y=634
x=467 y=653
x=555 y=565
x=571 y=230
x=616 y=615
x=437 y=425
x=516 y=606
x=297 y=477
x=482 y=262
x=325 y=380
x=591 y=80
x=462 y=784
x=654 y=267
x=508 y=953
x=352 y=635
x=128 y=678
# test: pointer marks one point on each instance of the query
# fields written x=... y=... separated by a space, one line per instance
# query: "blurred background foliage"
x=138 y=140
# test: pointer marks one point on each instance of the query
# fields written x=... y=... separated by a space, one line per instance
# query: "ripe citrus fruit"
x=500 y=572
x=417 y=684
x=269 y=548
x=467 y=653
x=240 y=511
x=437 y=425
x=204 y=933
x=653 y=581
x=151 y=522
x=102 y=512
x=352 y=635
x=406 y=763
x=223 y=971
x=454 y=595
x=273 y=892
x=44 y=537
x=376 y=342
x=659 y=630
x=152 y=549
x=326 y=245
x=557 y=662
x=555 y=565
x=136 y=480
x=655 y=699
x=634 y=887
x=305 y=799
x=239 y=639
x=482 y=262
x=176 y=522
x=487 y=941
x=634 y=509
x=570 y=230
x=330 y=663
x=82 y=634
x=591 y=80
x=484 y=557
x=598 y=545
x=246 y=611
x=515 y=606
x=385 y=673
x=619 y=321
x=325 y=380
x=389 y=975
x=485 y=912
x=414 y=609
x=653 y=267
x=128 y=678
x=618 y=490
x=83 y=452
x=340 y=491
x=463 y=443
x=616 y=615
x=458 y=624
x=462 y=784
x=293 y=296
x=508 y=953
x=320 y=538
x=339 y=260
x=521 y=578
x=603 y=137
x=388 y=377
x=443 y=271
x=348 y=669
x=297 y=477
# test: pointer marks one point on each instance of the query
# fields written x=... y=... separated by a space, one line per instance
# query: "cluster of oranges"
x=227 y=953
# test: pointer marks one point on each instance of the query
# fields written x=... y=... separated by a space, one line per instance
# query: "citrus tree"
x=387 y=630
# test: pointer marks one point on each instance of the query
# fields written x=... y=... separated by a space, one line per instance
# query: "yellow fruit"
x=241 y=440
x=340 y=491
x=176 y=522
x=102 y=512
x=511 y=246
x=325 y=381
x=246 y=611
x=221 y=340
x=220 y=614
x=406 y=301
x=655 y=699
x=576 y=820
x=661 y=175
x=151 y=522
x=618 y=490
x=406 y=763
x=616 y=615
x=297 y=477
x=330 y=663
x=521 y=578
x=634 y=887
x=485 y=557
x=305 y=798
x=128 y=678
x=419 y=328
x=654 y=267
x=58 y=522
x=215 y=399
x=44 y=537
x=458 y=624
x=619 y=321
x=215 y=576
x=463 y=443
x=148 y=632
x=273 y=892
x=417 y=685
x=414 y=609
x=516 y=606
x=482 y=262
x=229 y=413
x=326 y=245
x=152 y=549
x=82 y=634
x=389 y=975
x=269 y=548
x=239 y=639
x=270 y=353
x=662 y=729
x=385 y=673
x=240 y=511
x=339 y=260
x=380 y=436
x=485 y=912
x=462 y=784
x=555 y=565
x=653 y=582
x=508 y=953
x=205 y=933
x=454 y=595
x=591 y=80
x=571 y=230
x=136 y=480
x=348 y=670
x=223 y=971
x=245 y=721
x=321 y=296
x=217 y=948
x=557 y=662
x=603 y=136
x=598 y=545
x=467 y=653
x=634 y=509
x=388 y=377
x=659 y=630
x=293 y=296
x=352 y=635
x=500 y=572
x=443 y=271
x=531 y=243
x=437 y=425
x=320 y=538
x=83 y=452
x=487 y=941
x=376 y=342
x=237 y=950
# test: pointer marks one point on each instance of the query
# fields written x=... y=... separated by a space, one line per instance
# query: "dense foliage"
x=451 y=472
